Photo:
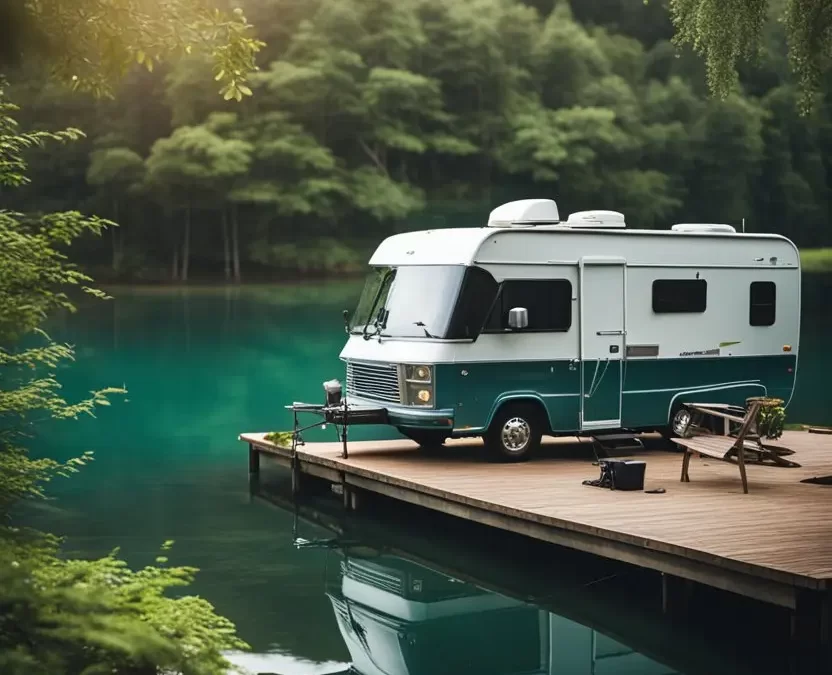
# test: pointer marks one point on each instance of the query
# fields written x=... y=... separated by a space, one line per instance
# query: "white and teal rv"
x=532 y=326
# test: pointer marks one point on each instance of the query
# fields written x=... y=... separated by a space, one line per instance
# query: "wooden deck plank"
x=781 y=531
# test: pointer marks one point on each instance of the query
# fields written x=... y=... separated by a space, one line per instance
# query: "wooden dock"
x=773 y=544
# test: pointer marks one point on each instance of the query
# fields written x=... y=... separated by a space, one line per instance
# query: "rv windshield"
x=410 y=301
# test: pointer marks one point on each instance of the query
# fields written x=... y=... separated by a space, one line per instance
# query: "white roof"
x=464 y=246
x=454 y=246
x=514 y=230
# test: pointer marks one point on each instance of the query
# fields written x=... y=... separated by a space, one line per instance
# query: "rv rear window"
x=671 y=296
x=763 y=303
x=548 y=301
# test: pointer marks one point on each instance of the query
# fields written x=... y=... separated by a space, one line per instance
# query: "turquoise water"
x=202 y=365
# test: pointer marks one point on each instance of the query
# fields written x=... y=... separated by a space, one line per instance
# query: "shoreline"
x=209 y=285
x=814 y=268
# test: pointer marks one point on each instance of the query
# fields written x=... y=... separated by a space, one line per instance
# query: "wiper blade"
x=421 y=325
x=381 y=288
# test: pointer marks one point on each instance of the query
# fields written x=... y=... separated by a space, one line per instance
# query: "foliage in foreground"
x=58 y=615
x=725 y=32
x=91 y=44
x=99 y=616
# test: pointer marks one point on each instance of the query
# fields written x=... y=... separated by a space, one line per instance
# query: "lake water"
x=202 y=365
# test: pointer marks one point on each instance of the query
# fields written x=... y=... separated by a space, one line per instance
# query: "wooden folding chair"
x=721 y=447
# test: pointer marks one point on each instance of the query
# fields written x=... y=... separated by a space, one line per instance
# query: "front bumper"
x=408 y=417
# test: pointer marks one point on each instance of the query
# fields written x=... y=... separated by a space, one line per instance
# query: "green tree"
x=117 y=173
x=291 y=176
x=727 y=160
x=481 y=53
x=190 y=92
x=792 y=195
x=194 y=165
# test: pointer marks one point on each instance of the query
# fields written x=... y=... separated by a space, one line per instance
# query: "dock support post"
x=296 y=477
x=811 y=617
x=676 y=594
x=352 y=499
x=253 y=471
x=253 y=460
x=349 y=494
x=811 y=631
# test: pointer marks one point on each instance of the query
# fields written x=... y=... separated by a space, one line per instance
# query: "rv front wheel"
x=515 y=433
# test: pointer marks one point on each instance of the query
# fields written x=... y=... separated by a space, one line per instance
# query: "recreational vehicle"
x=533 y=326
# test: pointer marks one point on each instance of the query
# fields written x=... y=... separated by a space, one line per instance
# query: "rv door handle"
x=611 y=332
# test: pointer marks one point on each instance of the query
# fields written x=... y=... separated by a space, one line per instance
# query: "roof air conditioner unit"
x=702 y=227
x=596 y=219
x=525 y=213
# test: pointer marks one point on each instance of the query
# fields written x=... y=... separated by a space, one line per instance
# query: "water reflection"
x=401 y=618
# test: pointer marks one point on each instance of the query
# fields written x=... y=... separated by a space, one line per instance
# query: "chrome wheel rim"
x=516 y=434
x=680 y=422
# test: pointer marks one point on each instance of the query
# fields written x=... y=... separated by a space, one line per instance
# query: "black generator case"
x=624 y=474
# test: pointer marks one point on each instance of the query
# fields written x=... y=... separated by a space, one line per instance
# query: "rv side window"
x=672 y=296
x=548 y=301
x=763 y=303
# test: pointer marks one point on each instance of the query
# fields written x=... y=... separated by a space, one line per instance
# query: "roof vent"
x=525 y=213
x=596 y=219
x=702 y=227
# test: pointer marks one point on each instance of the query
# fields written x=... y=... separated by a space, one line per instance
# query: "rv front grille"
x=379 y=382
x=373 y=576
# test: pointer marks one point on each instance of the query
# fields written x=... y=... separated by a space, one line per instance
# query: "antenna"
x=743 y=225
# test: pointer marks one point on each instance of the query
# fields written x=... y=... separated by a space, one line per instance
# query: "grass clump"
x=816 y=260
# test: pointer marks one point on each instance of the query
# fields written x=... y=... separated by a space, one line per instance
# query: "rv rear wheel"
x=427 y=439
x=515 y=432
x=681 y=422
x=682 y=426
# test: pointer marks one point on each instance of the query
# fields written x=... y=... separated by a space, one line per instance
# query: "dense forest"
x=376 y=116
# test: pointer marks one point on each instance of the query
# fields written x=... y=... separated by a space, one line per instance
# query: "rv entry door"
x=603 y=338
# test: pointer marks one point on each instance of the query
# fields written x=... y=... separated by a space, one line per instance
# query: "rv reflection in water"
x=399 y=618
x=533 y=326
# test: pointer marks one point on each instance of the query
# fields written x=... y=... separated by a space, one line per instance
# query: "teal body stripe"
x=649 y=388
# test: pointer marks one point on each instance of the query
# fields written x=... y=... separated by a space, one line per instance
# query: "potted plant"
x=771 y=418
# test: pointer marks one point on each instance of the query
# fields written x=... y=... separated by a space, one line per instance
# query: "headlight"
x=418 y=385
x=418 y=373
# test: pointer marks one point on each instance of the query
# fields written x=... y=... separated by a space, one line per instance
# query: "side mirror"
x=518 y=318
